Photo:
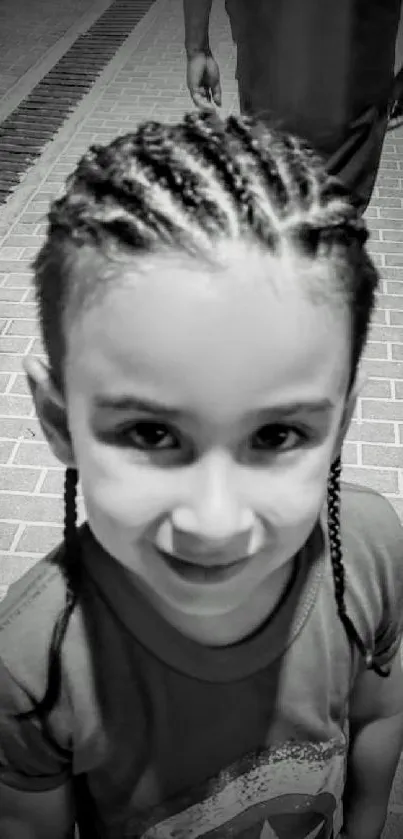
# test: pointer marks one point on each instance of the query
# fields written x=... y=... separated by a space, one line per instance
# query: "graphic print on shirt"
x=290 y=792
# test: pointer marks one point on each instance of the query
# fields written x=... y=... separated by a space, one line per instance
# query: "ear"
x=51 y=409
x=348 y=412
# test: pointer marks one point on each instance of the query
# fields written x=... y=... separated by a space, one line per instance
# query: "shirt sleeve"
x=388 y=637
x=32 y=756
x=375 y=571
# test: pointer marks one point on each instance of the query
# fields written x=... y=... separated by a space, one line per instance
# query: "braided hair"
x=188 y=187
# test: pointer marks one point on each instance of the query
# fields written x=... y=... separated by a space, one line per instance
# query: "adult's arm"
x=197 y=16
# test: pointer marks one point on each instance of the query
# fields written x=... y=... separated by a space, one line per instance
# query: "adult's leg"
x=326 y=74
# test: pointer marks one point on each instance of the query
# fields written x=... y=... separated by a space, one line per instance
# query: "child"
x=212 y=654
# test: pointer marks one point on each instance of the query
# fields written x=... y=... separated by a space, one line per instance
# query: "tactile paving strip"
x=36 y=120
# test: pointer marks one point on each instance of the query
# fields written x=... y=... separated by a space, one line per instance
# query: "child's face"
x=205 y=412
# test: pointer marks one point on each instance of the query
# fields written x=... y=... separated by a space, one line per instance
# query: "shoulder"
x=28 y=615
x=372 y=544
x=371 y=528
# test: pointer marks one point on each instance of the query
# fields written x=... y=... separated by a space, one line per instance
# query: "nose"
x=214 y=516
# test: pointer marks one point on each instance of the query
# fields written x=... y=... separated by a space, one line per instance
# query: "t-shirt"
x=324 y=70
x=164 y=737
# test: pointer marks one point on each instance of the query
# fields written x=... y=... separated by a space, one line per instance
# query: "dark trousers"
x=322 y=70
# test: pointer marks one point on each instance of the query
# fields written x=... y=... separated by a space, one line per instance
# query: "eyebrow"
x=131 y=404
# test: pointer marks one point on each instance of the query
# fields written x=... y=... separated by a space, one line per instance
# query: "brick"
x=15 y=406
x=386 y=333
x=4 y=382
x=382 y=224
x=386 y=456
x=30 y=253
x=15 y=280
x=7 y=534
x=389 y=197
x=377 y=389
x=391 y=214
x=397 y=352
x=22 y=241
x=39 y=539
x=389 y=247
x=24 y=228
x=12 y=568
x=392 y=235
x=389 y=272
x=53 y=483
x=387 y=164
x=20 y=385
x=30 y=295
x=10 y=363
x=13 y=344
x=18 y=479
x=7 y=254
x=350 y=453
x=13 y=294
x=382 y=480
x=394 y=259
x=371 y=432
x=396 y=318
x=6 y=448
x=383 y=369
x=37 y=348
x=13 y=265
x=393 y=287
x=16 y=428
x=24 y=327
x=381 y=409
x=375 y=349
x=379 y=316
x=32 y=508
x=18 y=310
x=35 y=454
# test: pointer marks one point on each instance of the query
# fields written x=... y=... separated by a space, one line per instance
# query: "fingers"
x=217 y=95
x=201 y=97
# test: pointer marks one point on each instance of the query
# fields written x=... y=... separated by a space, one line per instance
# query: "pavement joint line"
x=23 y=86
x=58 y=147
x=17 y=536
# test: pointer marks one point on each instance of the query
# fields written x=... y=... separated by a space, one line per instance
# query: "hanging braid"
x=188 y=187
x=71 y=567
x=333 y=512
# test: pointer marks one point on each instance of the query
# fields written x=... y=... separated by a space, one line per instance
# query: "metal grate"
x=36 y=120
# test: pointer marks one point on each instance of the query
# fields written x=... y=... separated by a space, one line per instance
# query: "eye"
x=149 y=436
x=277 y=437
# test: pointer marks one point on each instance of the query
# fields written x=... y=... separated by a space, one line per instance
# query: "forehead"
x=213 y=338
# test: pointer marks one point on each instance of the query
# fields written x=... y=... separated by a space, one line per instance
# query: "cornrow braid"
x=245 y=131
x=71 y=567
x=333 y=512
x=162 y=157
x=212 y=140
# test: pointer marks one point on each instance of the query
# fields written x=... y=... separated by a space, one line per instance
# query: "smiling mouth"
x=193 y=573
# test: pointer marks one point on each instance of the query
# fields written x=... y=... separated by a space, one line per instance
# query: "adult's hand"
x=203 y=80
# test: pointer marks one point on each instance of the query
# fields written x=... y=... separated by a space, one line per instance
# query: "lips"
x=201 y=571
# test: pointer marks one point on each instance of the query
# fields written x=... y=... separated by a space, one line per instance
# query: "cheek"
x=119 y=489
x=293 y=494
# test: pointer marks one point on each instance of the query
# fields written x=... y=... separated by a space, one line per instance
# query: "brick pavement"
x=33 y=32
x=146 y=78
